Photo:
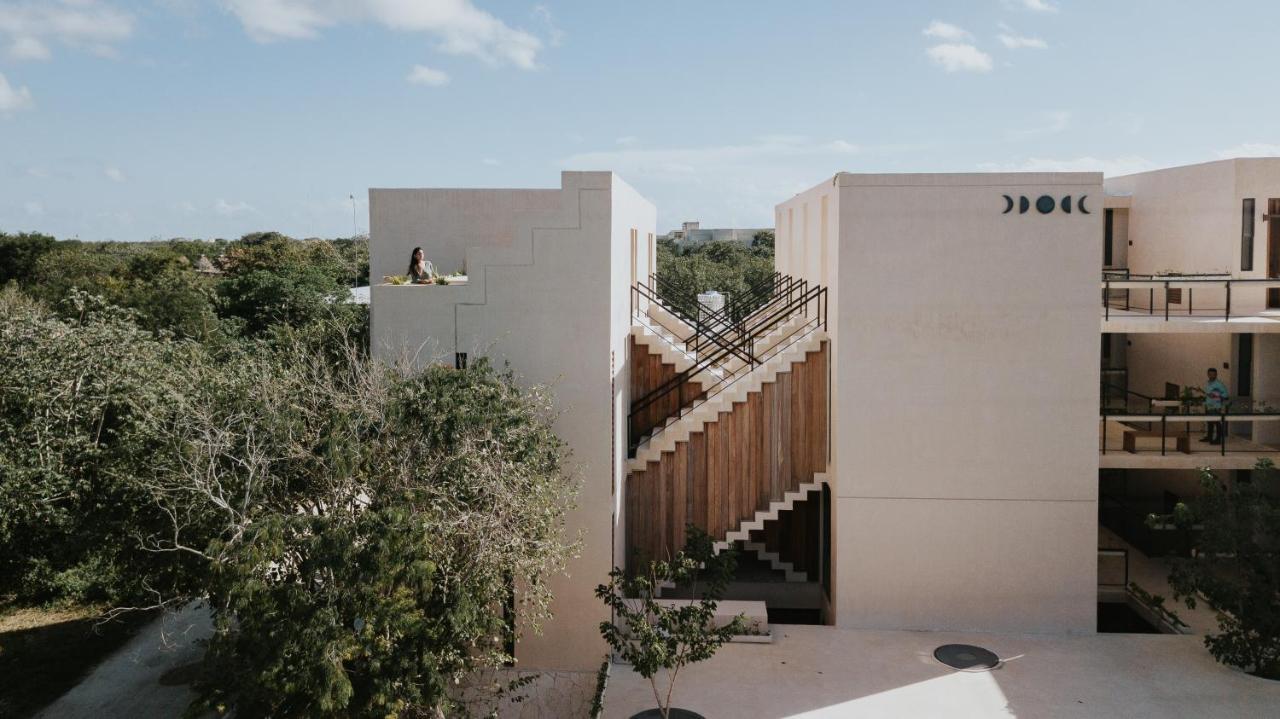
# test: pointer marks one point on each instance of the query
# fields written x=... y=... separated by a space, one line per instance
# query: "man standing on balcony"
x=1215 y=398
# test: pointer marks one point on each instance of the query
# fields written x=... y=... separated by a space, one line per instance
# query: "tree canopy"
x=357 y=529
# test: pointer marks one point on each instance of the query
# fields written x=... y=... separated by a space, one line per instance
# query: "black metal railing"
x=736 y=308
x=1167 y=417
x=722 y=343
x=790 y=299
x=1118 y=286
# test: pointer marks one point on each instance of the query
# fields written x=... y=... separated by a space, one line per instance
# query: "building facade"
x=692 y=234
x=908 y=425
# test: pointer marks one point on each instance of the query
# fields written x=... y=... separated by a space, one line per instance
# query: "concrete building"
x=908 y=426
x=692 y=234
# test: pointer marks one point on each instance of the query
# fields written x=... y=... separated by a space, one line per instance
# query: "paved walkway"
x=145 y=678
x=815 y=671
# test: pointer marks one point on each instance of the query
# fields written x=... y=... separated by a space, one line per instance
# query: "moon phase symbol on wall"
x=1045 y=204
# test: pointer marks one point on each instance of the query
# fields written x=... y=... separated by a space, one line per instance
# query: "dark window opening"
x=1107 y=252
x=1244 y=366
x=1246 y=235
x=1173 y=296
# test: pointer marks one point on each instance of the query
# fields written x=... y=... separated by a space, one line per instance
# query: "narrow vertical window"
x=634 y=259
x=1246 y=235
x=1107 y=251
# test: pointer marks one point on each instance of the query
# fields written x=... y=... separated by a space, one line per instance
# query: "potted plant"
x=658 y=637
x=1191 y=397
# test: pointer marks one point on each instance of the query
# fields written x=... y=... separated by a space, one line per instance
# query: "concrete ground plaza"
x=814 y=671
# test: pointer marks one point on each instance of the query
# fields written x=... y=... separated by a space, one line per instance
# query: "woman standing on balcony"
x=420 y=269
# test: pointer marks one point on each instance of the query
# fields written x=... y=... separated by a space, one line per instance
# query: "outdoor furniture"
x=1131 y=440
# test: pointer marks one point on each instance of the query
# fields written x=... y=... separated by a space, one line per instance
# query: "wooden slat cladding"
x=647 y=373
x=746 y=458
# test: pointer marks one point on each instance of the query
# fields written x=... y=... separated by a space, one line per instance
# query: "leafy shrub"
x=654 y=636
x=1236 y=566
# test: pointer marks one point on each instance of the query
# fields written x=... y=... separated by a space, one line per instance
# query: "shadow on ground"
x=44 y=653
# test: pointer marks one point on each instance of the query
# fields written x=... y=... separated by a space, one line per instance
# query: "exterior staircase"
x=744 y=530
x=678 y=428
x=745 y=444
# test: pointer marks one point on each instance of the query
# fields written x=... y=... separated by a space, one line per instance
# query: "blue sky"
x=212 y=118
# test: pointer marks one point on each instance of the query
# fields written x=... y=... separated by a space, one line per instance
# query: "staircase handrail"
x=816 y=295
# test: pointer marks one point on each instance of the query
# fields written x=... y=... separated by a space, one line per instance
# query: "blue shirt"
x=1215 y=393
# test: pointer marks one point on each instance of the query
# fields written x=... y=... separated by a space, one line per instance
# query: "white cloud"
x=114 y=174
x=1014 y=41
x=1111 y=167
x=35 y=209
x=960 y=57
x=28 y=48
x=650 y=162
x=555 y=36
x=734 y=185
x=85 y=24
x=946 y=31
x=491 y=162
x=13 y=99
x=627 y=140
x=1033 y=5
x=1251 y=149
x=423 y=75
x=222 y=207
x=459 y=27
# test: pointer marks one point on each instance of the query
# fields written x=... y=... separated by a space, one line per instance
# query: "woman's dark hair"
x=413 y=259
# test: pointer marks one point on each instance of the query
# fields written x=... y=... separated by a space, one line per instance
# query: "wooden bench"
x=1131 y=439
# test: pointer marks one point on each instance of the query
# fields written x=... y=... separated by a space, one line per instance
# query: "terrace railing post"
x=1163 y=424
x=1106 y=300
x=1191 y=300
x=1227 y=316
x=1166 y=301
x=1222 y=433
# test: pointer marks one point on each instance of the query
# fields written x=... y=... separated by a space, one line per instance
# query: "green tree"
x=726 y=267
x=374 y=530
x=167 y=293
x=356 y=528
x=72 y=265
x=657 y=637
x=79 y=402
x=19 y=253
x=762 y=242
x=1236 y=566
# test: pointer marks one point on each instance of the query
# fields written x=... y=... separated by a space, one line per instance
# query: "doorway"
x=1273 y=251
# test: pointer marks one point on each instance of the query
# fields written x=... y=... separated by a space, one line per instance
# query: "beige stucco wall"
x=1266 y=384
x=1188 y=219
x=964 y=409
x=548 y=294
x=1183 y=359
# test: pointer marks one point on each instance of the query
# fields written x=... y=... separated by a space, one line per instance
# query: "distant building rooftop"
x=691 y=234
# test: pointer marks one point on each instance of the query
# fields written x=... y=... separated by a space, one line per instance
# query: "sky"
x=213 y=118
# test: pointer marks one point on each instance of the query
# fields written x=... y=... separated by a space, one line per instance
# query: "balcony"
x=1147 y=432
x=1188 y=303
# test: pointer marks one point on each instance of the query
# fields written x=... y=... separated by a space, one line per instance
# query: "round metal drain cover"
x=966 y=657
